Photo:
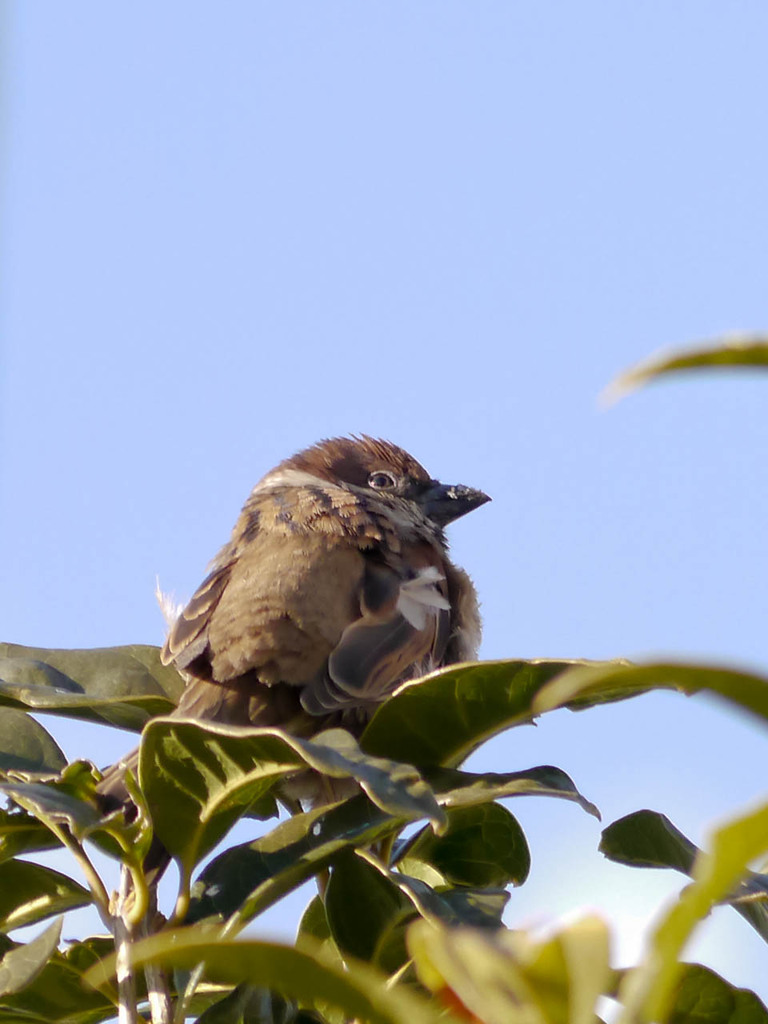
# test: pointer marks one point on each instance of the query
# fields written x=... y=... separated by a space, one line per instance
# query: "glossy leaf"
x=30 y=892
x=21 y=832
x=649 y=839
x=585 y=685
x=484 y=846
x=360 y=991
x=648 y=991
x=368 y=907
x=501 y=977
x=362 y=904
x=25 y=746
x=199 y=777
x=20 y=966
x=469 y=789
x=442 y=718
x=122 y=686
x=740 y=351
x=249 y=878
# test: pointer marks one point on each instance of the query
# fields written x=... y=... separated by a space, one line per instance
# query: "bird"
x=334 y=589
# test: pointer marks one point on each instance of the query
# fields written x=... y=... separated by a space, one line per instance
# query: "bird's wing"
x=188 y=636
x=402 y=631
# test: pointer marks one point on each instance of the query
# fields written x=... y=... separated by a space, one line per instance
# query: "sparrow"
x=335 y=588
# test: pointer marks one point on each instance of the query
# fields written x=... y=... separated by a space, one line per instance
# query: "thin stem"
x=183 y=1003
x=126 y=984
x=92 y=877
x=182 y=899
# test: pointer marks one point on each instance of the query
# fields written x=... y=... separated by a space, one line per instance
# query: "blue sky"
x=231 y=230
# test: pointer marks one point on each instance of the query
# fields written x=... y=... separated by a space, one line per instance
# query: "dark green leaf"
x=21 y=832
x=649 y=839
x=368 y=907
x=395 y=787
x=483 y=847
x=31 y=892
x=20 y=966
x=123 y=686
x=361 y=904
x=703 y=997
x=444 y=717
x=251 y=877
x=359 y=991
x=736 y=351
x=25 y=746
x=468 y=789
x=199 y=777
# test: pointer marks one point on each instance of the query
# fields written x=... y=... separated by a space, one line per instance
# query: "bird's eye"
x=381 y=480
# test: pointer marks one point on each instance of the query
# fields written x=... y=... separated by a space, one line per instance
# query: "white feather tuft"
x=169 y=606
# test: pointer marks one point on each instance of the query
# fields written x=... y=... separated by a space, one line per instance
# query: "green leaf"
x=71 y=799
x=503 y=977
x=586 y=685
x=362 y=903
x=395 y=787
x=468 y=789
x=249 y=878
x=20 y=966
x=25 y=746
x=748 y=350
x=199 y=777
x=703 y=997
x=649 y=839
x=360 y=991
x=647 y=992
x=57 y=995
x=484 y=846
x=21 y=832
x=368 y=907
x=123 y=686
x=442 y=718
x=30 y=892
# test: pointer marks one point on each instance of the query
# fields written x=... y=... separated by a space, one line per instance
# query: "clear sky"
x=232 y=229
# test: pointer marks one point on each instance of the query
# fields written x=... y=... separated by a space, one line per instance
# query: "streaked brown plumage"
x=334 y=588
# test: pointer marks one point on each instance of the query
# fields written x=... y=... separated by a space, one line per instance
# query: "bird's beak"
x=442 y=503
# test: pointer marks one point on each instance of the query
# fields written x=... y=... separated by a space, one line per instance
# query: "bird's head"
x=380 y=470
